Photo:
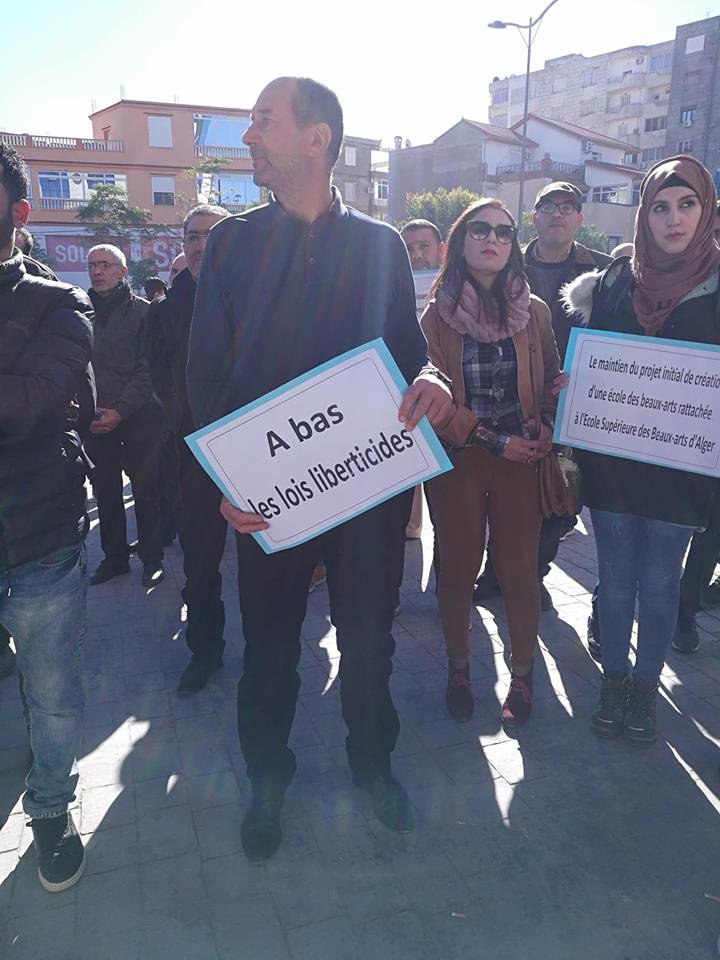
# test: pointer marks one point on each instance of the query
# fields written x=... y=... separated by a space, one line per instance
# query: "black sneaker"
x=711 y=596
x=593 y=638
x=108 y=570
x=196 y=675
x=60 y=853
x=546 y=602
x=609 y=717
x=459 y=698
x=640 y=725
x=260 y=832
x=687 y=638
x=486 y=587
x=153 y=574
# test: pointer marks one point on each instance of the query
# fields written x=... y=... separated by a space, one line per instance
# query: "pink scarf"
x=470 y=316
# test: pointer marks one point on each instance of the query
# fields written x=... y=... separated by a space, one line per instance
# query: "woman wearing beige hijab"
x=643 y=515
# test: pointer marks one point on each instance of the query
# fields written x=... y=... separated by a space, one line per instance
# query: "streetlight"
x=531 y=28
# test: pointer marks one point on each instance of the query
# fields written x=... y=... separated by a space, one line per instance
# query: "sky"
x=399 y=68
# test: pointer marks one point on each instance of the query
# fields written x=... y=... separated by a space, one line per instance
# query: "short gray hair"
x=115 y=252
x=203 y=209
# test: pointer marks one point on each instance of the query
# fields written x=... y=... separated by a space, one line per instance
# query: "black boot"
x=640 y=714
x=108 y=570
x=391 y=804
x=260 y=832
x=609 y=718
x=459 y=698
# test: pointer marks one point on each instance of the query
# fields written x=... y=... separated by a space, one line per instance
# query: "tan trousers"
x=484 y=489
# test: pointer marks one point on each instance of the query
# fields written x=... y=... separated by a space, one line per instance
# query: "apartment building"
x=152 y=151
x=693 y=123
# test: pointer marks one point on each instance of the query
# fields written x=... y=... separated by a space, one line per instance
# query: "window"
x=617 y=194
x=685 y=146
x=687 y=115
x=655 y=123
x=651 y=154
x=382 y=189
x=235 y=190
x=163 y=191
x=636 y=194
x=559 y=84
x=159 y=131
x=53 y=183
x=622 y=130
x=75 y=185
x=695 y=44
x=661 y=63
x=500 y=96
x=350 y=191
x=625 y=100
x=692 y=77
x=350 y=157
x=588 y=77
x=217 y=131
x=586 y=107
x=517 y=95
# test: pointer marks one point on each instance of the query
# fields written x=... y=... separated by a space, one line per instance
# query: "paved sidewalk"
x=551 y=846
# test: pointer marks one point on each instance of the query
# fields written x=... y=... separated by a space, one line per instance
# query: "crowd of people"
x=100 y=384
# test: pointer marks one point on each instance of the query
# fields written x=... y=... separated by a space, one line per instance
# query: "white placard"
x=643 y=398
x=320 y=449
x=423 y=280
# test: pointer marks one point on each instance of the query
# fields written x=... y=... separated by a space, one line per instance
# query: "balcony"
x=227 y=153
x=545 y=168
x=41 y=141
x=61 y=203
x=633 y=109
x=631 y=81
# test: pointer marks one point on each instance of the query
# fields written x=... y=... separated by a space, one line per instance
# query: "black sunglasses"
x=481 y=230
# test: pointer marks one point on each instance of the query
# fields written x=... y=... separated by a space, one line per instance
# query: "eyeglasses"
x=565 y=208
x=481 y=230
x=101 y=265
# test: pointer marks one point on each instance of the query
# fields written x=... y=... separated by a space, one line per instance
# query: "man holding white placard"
x=284 y=288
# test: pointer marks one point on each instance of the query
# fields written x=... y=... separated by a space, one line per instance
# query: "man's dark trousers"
x=363 y=558
x=133 y=447
x=202 y=531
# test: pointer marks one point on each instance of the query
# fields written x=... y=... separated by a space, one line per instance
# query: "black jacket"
x=166 y=343
x=121 y=370
x=277 y=296
x=579 y=261
x=45 y=344
x=631 y=486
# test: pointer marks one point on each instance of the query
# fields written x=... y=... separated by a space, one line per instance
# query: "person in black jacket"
x=45 y=346
x=643 y=515
x=126 y=434
x=283 y=288
x=201 y=526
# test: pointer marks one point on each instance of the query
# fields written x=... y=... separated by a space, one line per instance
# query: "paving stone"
x=213 y=790
x=334 y=938
x=172 y=882
x=165 y=833
x=109 y=806
x=218 y=830
x=252 y=929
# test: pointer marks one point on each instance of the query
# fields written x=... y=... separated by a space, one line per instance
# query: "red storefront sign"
x=162 y=250
x=69 y=253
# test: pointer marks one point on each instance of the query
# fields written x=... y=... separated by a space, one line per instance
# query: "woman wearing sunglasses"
x=643 y=515
x=494 y=341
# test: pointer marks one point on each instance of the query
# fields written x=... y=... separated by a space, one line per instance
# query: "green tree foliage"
x=588 y=235
x=108 y=215
x=441 y=207
x=139 y=271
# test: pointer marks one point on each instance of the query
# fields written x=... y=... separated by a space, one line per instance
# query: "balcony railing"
x=631 y=80
x=632 y=109
x=61 y=203
x=229 y=153
x=60 y=143
x=541 y=166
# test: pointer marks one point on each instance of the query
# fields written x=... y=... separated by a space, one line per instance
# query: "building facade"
x=166 y=157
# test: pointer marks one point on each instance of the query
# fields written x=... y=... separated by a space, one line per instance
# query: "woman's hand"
x=520 y=450
x=559 y=383
x=241 y=520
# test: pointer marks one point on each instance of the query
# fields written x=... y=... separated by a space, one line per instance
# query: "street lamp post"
x=531 y=28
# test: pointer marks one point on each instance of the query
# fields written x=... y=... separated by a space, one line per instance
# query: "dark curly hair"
x=12 y=173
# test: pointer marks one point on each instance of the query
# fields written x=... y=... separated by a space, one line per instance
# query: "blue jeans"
x=638 y=558
x=42 y=604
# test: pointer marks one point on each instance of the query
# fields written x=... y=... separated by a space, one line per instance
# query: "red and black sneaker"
x=518 y=702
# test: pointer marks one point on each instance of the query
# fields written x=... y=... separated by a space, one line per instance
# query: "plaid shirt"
x=491 y=392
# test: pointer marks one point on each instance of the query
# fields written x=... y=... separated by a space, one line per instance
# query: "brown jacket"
x=538 y=364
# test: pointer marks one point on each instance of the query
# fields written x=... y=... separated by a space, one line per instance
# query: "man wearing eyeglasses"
x=126 y=432
x=553 y=259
